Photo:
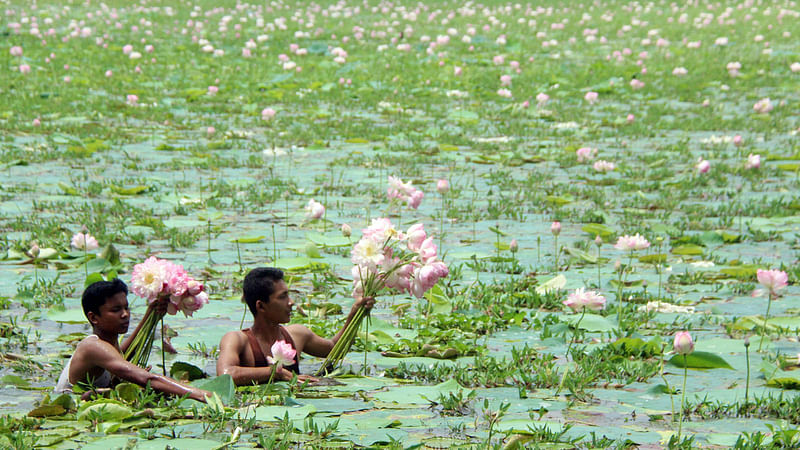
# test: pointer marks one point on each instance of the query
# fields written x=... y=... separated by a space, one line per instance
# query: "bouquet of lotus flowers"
x=386 y=259
x=154 y=279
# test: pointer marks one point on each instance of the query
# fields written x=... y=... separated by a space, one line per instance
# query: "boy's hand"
x=160 y=304
x=200 y=395
x=366 y=302
x=303 y=378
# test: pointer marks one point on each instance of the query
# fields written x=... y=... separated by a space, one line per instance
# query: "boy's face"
x=114 y=315
x=279 y=307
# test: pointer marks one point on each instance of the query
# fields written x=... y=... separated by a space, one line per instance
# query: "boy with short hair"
x=243 y=354
x=98 y=357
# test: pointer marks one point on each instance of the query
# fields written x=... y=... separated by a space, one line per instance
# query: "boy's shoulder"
x=92 y=345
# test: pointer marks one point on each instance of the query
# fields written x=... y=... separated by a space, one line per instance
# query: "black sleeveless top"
x=258 y=355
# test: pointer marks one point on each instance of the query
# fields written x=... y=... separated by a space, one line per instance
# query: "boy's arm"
x=229 y=363
x=317 y=346
x=104 y=355
x=159 y=306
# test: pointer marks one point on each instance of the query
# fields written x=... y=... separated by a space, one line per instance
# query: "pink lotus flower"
x=513 y=246
x=37 y=122
x=498 y=60
x=586 y=154
x=186 y=304
x=109 y=73
x=211 y=130
x=416 y=236
x=314 y=209
x=404 y=191
x=542 y=98
x=591 y=97
x=428 y=250
x=721 y=41
x=753 y=161
x=702 y=165
x=426 y=276
x=368 y=252
x=505 y=80
x=132 y=99
x=555 y=228
x=637 y=84
x=603 y=166
x=630 y=118
x=212 y=90
x=680 y=71
x=16 y=51
x=795 y=67
x=346 y=230
x=774 y=280
x=457 y=71
x=763 y=106
x=630 y=243
x=737 y=140
x=267 y=114
x=283 y=354
x=148 y=278
x=84 y=241
x=442 y=186
x=24 y=68
x=504 y=93
x=581 y=298
x=683 y=343
x=127 y=49
x=194 y=287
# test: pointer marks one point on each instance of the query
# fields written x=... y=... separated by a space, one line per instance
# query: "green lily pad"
x=590 y=322
x=700 y=360
x=420 y=395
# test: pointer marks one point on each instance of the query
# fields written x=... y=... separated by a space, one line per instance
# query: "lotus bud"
x=683 y=344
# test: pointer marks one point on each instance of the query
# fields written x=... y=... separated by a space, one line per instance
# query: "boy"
x=242 y=354
x=99 y=356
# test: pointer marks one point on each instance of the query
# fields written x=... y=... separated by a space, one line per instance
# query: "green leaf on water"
x=586 y=257
x=591 y=322
x=658 y=258
x=553 y=284
x=328 y=240
x=296 y=263
x=743 y=272
x=127 y=391
x=421 y=394
x=688 y=250
x=277 y=413
x=59 y=314
x=559 y=200
x=134 y=190
x=14 y=380
x=598 y=229
x=107 y=410
x=97 y=265
x=47 y=411
x=498 y=231
x=700 y=360
x=185 y=371
x=67 y=189
x=93 y=278
x=248 y=239
x=221 y=385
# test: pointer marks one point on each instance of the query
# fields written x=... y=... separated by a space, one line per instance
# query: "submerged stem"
x=766 y=318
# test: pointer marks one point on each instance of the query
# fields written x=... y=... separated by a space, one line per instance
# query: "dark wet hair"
x=259 y=284
x=98 y=292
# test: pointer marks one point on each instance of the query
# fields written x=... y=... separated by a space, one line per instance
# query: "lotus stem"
x=683 y=395
x=766 y=318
